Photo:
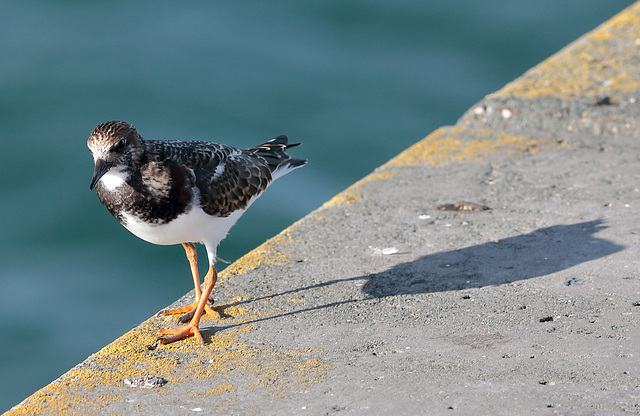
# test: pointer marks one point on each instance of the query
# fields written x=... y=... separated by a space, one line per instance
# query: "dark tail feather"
x=289 y=146
x=274 y=152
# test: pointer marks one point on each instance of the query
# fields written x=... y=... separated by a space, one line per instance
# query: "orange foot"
x=190 y=310
x=175 y=334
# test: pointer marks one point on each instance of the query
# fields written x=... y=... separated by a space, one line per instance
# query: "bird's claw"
x=189 y=310
x=170 y=335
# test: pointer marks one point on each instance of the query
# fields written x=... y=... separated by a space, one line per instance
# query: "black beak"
x=102 y=167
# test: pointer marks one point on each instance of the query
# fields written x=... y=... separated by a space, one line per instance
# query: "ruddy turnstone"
x=182 y=192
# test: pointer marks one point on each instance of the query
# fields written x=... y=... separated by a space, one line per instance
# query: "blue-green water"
x=355 y=81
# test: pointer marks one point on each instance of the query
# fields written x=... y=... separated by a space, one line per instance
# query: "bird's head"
x=114 y=144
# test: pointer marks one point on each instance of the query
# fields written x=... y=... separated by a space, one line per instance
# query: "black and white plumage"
x=181 y=192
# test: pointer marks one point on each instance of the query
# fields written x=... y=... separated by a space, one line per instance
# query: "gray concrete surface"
x=381 y=303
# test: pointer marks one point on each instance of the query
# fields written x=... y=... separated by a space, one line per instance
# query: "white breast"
x=194 y=226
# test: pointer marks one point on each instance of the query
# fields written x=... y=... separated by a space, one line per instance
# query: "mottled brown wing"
x=231 y=186
x=227 y=177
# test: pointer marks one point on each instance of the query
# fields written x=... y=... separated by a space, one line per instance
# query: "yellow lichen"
x=448 y=144
x=352 y=193
x=589 y=67
x=216 y=391
x=320 y=217
x=131 y=356
x=234 y=311
x=266 y=253
x=343 y=198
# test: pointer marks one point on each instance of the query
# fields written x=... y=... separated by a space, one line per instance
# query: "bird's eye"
x=120 y=145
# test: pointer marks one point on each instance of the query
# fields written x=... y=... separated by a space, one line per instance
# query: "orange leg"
x=189 y=310
x=175 y=334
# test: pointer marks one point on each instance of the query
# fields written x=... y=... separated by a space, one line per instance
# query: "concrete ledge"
x=379 y=302
x=589 y=87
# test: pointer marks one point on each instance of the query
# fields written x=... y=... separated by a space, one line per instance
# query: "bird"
x=170 y=192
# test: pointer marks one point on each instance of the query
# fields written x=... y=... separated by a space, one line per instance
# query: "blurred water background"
x=355 y=81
